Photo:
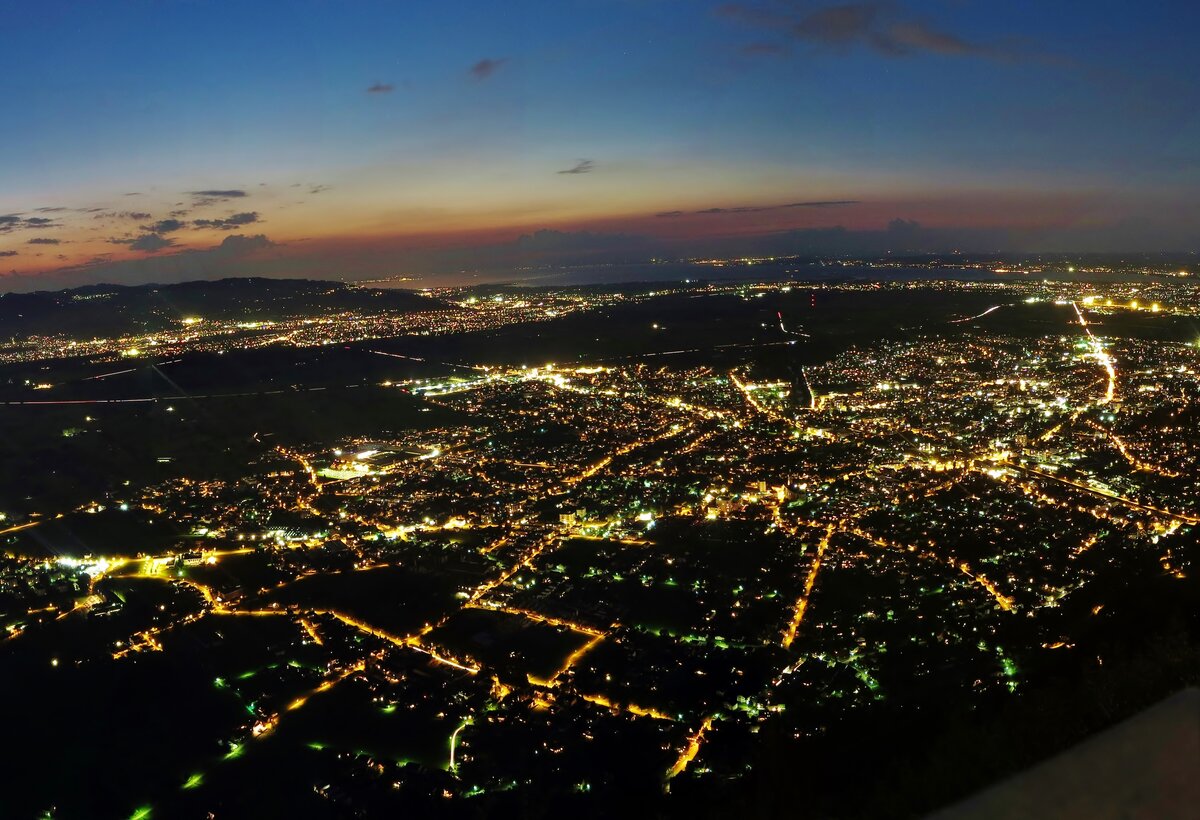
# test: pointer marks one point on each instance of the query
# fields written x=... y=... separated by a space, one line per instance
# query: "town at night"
x=594 y=546
x=599 y=409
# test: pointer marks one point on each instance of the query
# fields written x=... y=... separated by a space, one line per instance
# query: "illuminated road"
x=19 y=527
x=690 y=750
x=454 y=744
x=748 y=392
x=631 y=708
x=1005 y=602
x=810 y=581
x=1101 y=356
x=977 y=316
x=1128 y=502
x=570 y=661
x=1129 y=456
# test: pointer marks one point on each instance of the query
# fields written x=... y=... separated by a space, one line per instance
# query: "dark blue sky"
x=374 y=135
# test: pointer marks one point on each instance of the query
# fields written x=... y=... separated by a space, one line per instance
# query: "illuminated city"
x=599 y=409
x=601 y=573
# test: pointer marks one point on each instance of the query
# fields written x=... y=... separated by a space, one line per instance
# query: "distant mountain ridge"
x=108 y=310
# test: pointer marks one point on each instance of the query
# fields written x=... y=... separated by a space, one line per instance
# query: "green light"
x=142 y=813
x=194 y=781
x=235 y=751
x=316 y=747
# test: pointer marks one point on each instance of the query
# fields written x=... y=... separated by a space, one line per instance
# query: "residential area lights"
x=669 y=552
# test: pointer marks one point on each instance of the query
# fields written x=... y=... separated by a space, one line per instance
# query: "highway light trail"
x=106 y=375
x=19 y=527
x=812 y=396
x=472 y=368
x=977 y=316
x=783 y=328
x=1101 y=355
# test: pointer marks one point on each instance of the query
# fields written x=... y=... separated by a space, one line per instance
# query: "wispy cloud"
x=164 y=226
x=908 y=38
x=179 y=265
x=215 y=195
x=583 y=166
x=228 y=193
x=43 y=240
x=487 y=67
x=883 y=27
x=229 y=222
x=753 y=209
x=380 y=88
x=17 y=222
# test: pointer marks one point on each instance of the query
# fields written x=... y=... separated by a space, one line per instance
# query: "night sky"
x=174 y=139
